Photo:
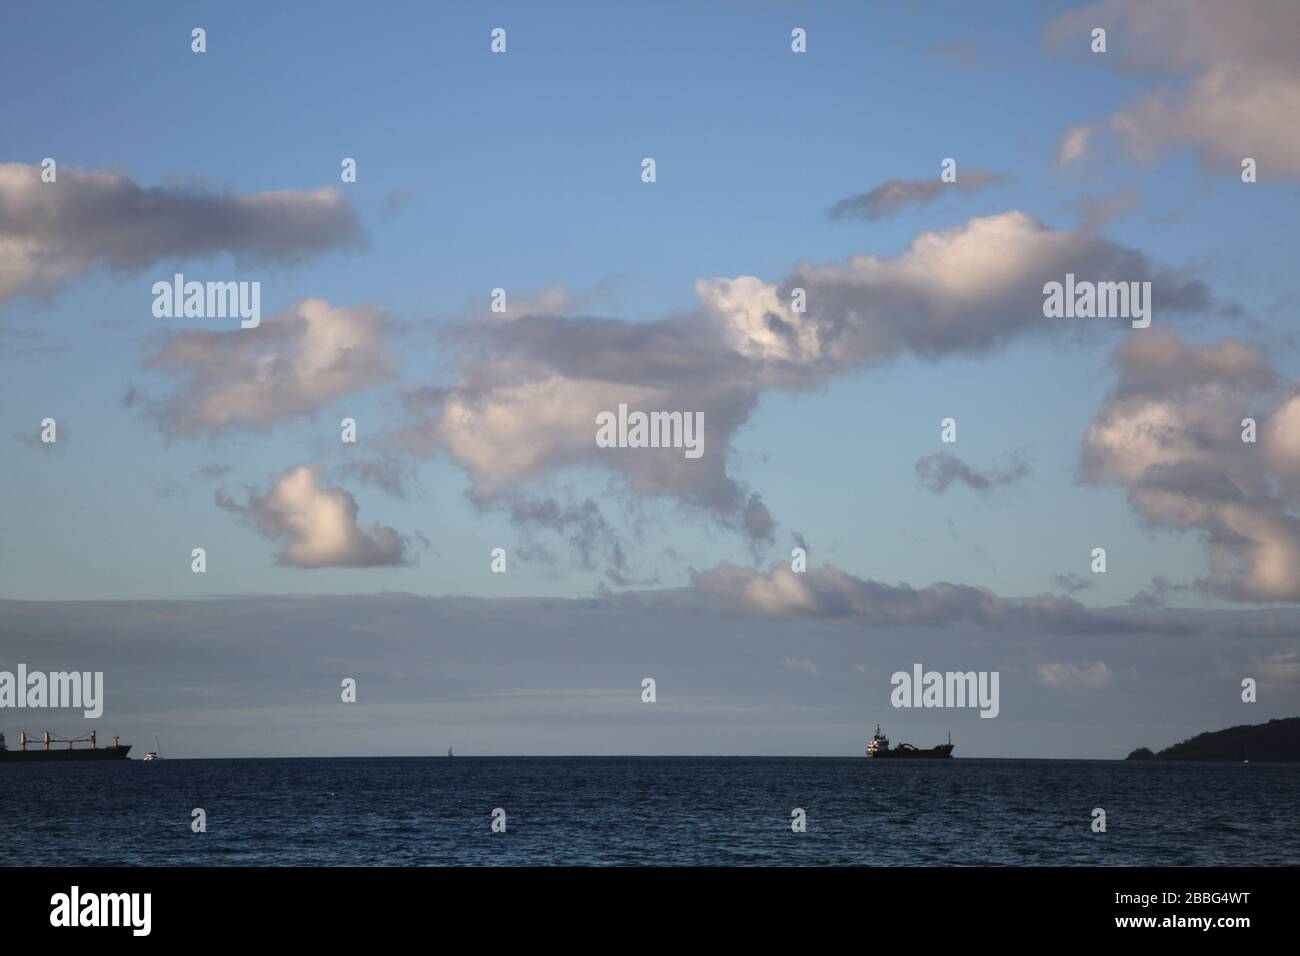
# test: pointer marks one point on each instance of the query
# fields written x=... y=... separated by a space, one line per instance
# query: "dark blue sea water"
x=646 y=810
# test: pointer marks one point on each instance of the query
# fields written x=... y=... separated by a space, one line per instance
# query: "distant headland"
x=1277 y=741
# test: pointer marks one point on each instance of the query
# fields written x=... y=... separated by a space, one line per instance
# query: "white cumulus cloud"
x=318 y=525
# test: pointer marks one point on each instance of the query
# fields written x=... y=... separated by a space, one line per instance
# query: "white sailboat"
x=154 y=754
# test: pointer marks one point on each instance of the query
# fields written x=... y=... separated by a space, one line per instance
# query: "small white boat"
x=153 y=754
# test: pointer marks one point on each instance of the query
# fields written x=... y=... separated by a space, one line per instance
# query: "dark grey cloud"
x=553 y=676
x=1071 y=582
x=760 y=527
x=214 y=471
x=830 y=592
x=389 y=474
x=591 y=539
x=938 y=471
x=889 y=197
x=1158 y=593
x=54 y=232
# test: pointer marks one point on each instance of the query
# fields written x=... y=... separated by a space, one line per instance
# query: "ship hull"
x=57 y=756
x=942 y=752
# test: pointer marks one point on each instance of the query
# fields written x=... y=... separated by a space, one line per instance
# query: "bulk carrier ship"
x=47 y=753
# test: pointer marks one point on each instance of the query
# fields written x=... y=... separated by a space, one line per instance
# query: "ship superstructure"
x=878 y=746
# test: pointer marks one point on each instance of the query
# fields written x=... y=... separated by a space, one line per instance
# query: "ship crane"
x=48 y=738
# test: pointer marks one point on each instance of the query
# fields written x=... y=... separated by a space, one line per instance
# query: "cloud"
x=963 y=290
x=1238 y=87
x=941 y=469
x=828 y=592
x=1283 y=667
x=1095 y=676
x=320 y=524
x=526 y=407
x=17 y=342
x=523 y=402
x=806 y=667
x=396 y=201
x=509 y=675
x=214 y=471
x=51 y=233
x=1074 y=145
x=1071 y=582
x=579 y=521
x=32 y=437
x=1156 y=595
x=554 y=299
x=1171 y=431
x=1096 y=213
x=309 y=355
x=889 y=197
x=387 y=473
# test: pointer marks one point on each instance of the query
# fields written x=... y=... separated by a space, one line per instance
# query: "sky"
x=774 y=171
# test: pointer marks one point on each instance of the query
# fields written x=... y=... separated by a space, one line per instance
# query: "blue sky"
x=522 y=171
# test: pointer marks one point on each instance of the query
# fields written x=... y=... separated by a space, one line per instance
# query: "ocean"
x=432 y=811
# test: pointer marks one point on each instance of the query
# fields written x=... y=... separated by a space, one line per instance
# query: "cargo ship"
x=47 y=753
x=879 y=747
